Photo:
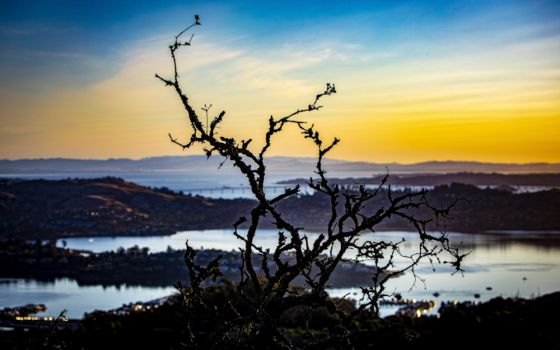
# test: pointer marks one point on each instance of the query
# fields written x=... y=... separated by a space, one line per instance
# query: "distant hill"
x=279 y=167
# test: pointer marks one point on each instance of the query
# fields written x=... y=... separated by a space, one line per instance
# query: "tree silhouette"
x=265 y=290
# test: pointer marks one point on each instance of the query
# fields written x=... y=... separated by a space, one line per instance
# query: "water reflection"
x=224 y=239
x=517 y=264
x=65 y=293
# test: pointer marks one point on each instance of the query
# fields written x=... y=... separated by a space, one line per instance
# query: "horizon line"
x=332 y=159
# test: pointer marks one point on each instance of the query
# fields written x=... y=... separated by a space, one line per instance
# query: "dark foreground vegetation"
x=497 y=324
x=114 y=207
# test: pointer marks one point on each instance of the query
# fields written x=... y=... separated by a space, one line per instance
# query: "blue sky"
x=53 y=48
x=80 y=38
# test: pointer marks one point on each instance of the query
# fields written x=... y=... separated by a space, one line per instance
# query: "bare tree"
x=266 y=277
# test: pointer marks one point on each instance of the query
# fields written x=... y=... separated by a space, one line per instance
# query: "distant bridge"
x=235 y=189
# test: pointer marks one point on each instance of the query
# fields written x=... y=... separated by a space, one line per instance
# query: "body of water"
x=524 y=264
x=65 y=293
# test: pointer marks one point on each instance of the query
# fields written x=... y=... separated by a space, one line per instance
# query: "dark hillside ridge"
x=49 y=209
x=106 y=206
x=475 y=210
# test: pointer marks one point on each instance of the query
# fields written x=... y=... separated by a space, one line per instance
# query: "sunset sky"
x=416 y=80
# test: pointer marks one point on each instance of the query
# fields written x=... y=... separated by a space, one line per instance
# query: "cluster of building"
x=22 y=312
x=416 y=308
x=127 y=309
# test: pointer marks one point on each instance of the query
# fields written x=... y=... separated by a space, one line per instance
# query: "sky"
x=417 y=80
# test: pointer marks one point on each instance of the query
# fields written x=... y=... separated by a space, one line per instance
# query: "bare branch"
x=267 y=276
